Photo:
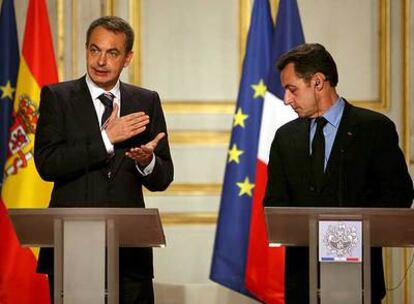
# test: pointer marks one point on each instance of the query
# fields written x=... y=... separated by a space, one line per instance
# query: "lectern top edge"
x=291 y=226
x=84 y=211
x=337 y=210
x=135 y=227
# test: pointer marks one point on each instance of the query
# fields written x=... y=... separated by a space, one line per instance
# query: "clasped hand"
x=122 y=128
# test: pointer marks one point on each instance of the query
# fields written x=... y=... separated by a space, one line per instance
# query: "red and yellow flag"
x=22 y=187
x=19 y=282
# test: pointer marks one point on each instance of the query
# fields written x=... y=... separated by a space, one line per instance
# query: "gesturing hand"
x=122 y=128
x=143 y=154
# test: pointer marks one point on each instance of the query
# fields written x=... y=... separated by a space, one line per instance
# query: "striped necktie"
x=107 y=99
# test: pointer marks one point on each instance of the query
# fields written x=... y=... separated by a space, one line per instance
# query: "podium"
x=381 y=227
x=83 y=238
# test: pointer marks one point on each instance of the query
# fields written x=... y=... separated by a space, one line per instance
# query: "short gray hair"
x=114 y=24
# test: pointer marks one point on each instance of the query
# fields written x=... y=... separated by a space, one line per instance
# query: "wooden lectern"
x=381 y=227
x=83 y=238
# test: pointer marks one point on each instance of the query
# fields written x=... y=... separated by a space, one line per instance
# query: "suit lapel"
x=84 y=104
x=127 y=100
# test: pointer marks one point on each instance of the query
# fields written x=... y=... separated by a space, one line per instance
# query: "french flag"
x=242 y=259
x=265 y=265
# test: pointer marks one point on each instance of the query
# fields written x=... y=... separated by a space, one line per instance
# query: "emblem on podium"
x=340 y=241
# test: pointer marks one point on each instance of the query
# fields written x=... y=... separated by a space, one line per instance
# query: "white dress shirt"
x=95 y=92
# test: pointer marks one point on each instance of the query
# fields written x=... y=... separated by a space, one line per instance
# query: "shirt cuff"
x=108 y=145
x=148 y=169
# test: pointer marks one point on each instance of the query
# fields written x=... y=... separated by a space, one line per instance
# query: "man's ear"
x=318 y=81
x=128 y=58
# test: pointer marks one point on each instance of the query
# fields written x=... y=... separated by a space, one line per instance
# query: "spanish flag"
x=22 y=186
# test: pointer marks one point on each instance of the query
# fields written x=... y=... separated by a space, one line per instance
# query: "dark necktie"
x=318 y=153
x=107 y=99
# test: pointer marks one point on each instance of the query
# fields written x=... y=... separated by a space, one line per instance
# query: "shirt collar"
x=97 y=91
x=334 y=114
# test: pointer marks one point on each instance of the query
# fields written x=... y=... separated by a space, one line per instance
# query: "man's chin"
x=99 y=78
x=100 y=82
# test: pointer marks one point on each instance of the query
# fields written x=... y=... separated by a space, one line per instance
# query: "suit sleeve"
x=163 y=172
x=56 y=157
x=390 y=170
x=276 y=188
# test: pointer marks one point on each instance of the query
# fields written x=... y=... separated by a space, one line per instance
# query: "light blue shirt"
x=333 y=116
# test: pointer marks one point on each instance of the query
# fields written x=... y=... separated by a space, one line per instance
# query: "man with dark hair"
x=116 y=25
x=333 y=155
x=309 y=59
x=100 y=140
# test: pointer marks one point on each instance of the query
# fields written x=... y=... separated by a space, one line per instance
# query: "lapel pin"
x=349 y=133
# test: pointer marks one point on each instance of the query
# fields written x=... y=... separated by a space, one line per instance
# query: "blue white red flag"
x=232 y=235
x=265 y=265
x=242 y=259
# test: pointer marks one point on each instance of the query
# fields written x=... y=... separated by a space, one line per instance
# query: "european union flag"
x=9 y=64
x=232 y=235
x=265 y=265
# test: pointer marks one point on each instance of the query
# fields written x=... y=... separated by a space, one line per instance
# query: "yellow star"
x=259 y=89
x=245 y=187
x=239 y=118
x=7 y=90
x=234 y=154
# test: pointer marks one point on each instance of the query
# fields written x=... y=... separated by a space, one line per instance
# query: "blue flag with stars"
x=230 y=248
x=9 y=63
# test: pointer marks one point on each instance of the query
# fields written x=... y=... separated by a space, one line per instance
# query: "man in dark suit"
x=361 y=163
x=100 y=140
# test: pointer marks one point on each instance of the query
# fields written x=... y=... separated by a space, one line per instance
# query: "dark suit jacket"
x=69 y=151
x=366 y=168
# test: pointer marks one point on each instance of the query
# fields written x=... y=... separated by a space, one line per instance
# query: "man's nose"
x=102 y=59
x=288 y=98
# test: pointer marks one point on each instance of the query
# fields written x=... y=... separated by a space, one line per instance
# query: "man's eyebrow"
x=110 y=50
x=95 y=46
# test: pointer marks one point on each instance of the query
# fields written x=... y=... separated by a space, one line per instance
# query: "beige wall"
x=190 y=51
